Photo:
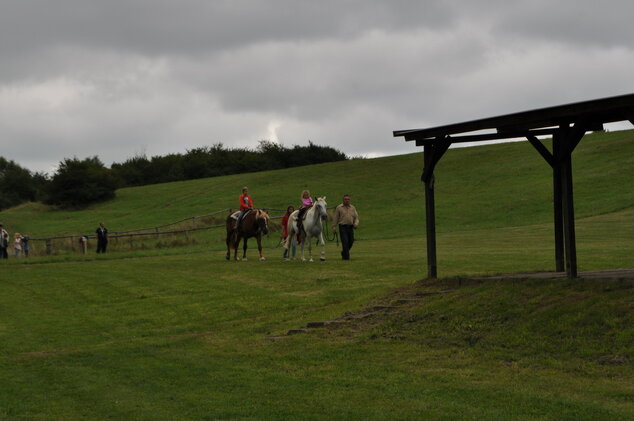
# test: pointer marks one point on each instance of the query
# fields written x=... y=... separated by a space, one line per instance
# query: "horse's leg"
x=244 y=248
x=259 y=240
x=228 y=245
x=292 y=251
x=323 y=247
x=236 y=244
x=292 y=244
x=302 y=248
x=303 y=243
x=309 y=240
x=293 y=234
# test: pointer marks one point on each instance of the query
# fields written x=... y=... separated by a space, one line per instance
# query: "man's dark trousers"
x=346 y=234
x=101 y=246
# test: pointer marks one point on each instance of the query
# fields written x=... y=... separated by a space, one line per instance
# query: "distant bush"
x=216 y=160
x=79 y=183
x=18 y=185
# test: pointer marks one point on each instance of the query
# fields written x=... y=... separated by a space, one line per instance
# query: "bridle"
x=263 y=221
x=320 y=210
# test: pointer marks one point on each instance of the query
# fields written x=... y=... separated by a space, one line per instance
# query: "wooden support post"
x=570 y=138
x=568 y=217
x=558 y=216
x=565 y=140
x=432 y=152
x=553 y=159
x=430 y=222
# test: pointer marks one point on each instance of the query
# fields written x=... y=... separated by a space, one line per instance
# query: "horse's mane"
x=259 y=214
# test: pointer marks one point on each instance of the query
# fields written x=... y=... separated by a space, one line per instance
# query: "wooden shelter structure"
x=567 y=124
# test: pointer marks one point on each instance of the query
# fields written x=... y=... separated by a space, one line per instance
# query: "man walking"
x=347 y=218
x=102 y=238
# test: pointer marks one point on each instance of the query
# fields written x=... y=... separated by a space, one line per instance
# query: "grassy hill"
x=506 y=187
x=498 y=185
x=180 y=333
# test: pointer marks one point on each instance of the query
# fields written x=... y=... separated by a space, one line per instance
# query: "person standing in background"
x=102 y=238
x=17 y=244
x=4 y=243
x=25 y=245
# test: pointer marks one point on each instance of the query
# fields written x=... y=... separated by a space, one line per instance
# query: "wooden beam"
x=604 y=110
x=491 y=136
x=543 y=151
x=436 y=151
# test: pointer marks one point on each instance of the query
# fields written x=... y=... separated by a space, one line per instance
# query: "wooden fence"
x=173 y=234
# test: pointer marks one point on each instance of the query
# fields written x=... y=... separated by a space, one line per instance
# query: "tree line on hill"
x=80 y=182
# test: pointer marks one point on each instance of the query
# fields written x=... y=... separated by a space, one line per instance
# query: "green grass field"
x=147 y=333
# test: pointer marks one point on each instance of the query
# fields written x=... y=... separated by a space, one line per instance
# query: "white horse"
x=312 y=227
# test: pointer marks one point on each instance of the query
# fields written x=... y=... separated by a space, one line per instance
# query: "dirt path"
x=609 y=274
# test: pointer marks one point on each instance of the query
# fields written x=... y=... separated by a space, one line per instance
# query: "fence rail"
x=82 y=240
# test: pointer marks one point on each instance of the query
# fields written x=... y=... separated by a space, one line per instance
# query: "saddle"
x=235 y=215
x=303 y=212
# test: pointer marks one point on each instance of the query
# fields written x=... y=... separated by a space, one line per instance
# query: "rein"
x=324 y=230
x=316 y=216
x=335 y=236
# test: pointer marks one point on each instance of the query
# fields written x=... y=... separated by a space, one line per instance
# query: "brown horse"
x=254 y=224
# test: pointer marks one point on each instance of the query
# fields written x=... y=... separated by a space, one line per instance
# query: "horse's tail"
x=230 y=225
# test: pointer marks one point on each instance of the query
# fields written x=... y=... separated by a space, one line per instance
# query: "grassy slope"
x=182 y=334
x=477 y=188
x=185 y=337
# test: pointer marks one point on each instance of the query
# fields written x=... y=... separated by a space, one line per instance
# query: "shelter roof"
x=543 y=121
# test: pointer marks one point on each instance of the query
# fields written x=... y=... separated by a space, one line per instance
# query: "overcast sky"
x=122 y=78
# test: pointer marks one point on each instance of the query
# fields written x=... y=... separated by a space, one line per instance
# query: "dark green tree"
x=133 y=172
x=79 y=183
x=216 y=160
x=18 y=185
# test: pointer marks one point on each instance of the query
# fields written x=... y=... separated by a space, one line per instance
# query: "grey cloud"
x=579 y=23
x=116 y=78
x=325 y=78
x=585 y=23
x=192 y=26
